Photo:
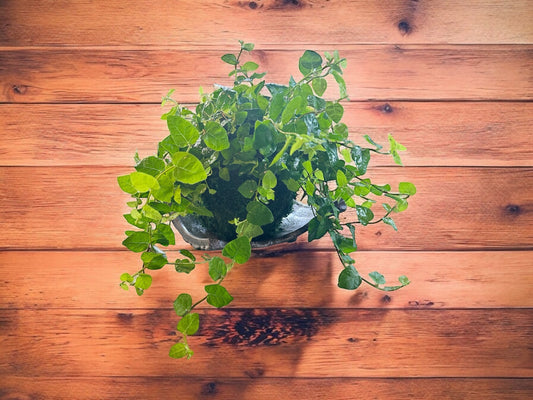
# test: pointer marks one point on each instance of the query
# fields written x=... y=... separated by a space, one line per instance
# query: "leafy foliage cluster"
x=267 y=135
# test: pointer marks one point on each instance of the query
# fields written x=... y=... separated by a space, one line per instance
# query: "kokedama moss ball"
x=228 y=203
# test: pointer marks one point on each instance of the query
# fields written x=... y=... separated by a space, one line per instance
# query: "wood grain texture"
x=221 y=22
x=439 y=280
x=462 y=133
x=82 y=207
x=391 y=72
x=247 y=388
x=80 y=83
x=320 y=343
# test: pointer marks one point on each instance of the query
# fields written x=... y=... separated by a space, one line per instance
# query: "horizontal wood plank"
x=272 y=279
x=38 y=194
x=195 y=23
x=455 y=208
x=249 y=388
x=479 y=134
x=374 y=72
x=270 y=343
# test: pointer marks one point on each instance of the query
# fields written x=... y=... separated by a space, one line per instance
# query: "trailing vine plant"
x=269 y=136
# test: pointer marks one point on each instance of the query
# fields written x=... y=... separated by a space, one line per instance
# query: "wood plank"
x=479 y=134
x=374 y=72
x=195 y=23
x=272 y=280
x=455 y=209
x=157 y=388
x=277 y=343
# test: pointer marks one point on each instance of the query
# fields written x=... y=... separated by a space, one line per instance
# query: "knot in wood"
x=513 y=209
x=20 y=89
x=404 y=27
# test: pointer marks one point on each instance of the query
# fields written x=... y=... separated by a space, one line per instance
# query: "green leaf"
x=245 y=228
x=407 y=188
x=309 y=188
x=369 y=140
x=341 y=131
x=292 y=184
x=349 y=278
x=189 y=324
x=318 y=227
x=143 y=281
x=335 y=111
x=188 y=254
x=189 y=169
x=309 y=61
x=217 y=268
x=404 y=280
x=124 y=286
x=365 y=215
x=153 y=260
x=264 y=138
x=217 y=296
x=126 y=277
x=394 y=148
x=183 y=133
x=319 y=86
x=166 y=188
x=269 y=180
x=216 y=136
x=402 y=206
x=258 y=213
x=248 y=188
x=137 y=222
x=377 y=277
x=184 y=266
x=341 y=83
x=341 y=178
x=167 y=145
x=345 y=244
x=183 y=304
x=361 y=158
x=249 y=66
x=180 y=350
x=387 y=207
x=266 y=194
x=137 y=242
x=238 y=250
x=124 y=182
x=151 y=213
x=151 y=166
x=167 y=232
x=282 y=151
x=230 y=59
x=390 y=221
x=292 y=109
x=247 y=46
x=277 y=103
x=143 y=182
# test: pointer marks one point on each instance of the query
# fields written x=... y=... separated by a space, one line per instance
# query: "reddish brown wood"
x=308 y=279
x=195 y=23
x=319 y=343
x=450 y=79
x=392 y=72
x=251 y=388
x=455 y=209
x=479 y=134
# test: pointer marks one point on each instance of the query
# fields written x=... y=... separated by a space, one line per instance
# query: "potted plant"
x=237 y=163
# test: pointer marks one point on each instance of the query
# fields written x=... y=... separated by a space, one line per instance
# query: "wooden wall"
x=452 y=80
